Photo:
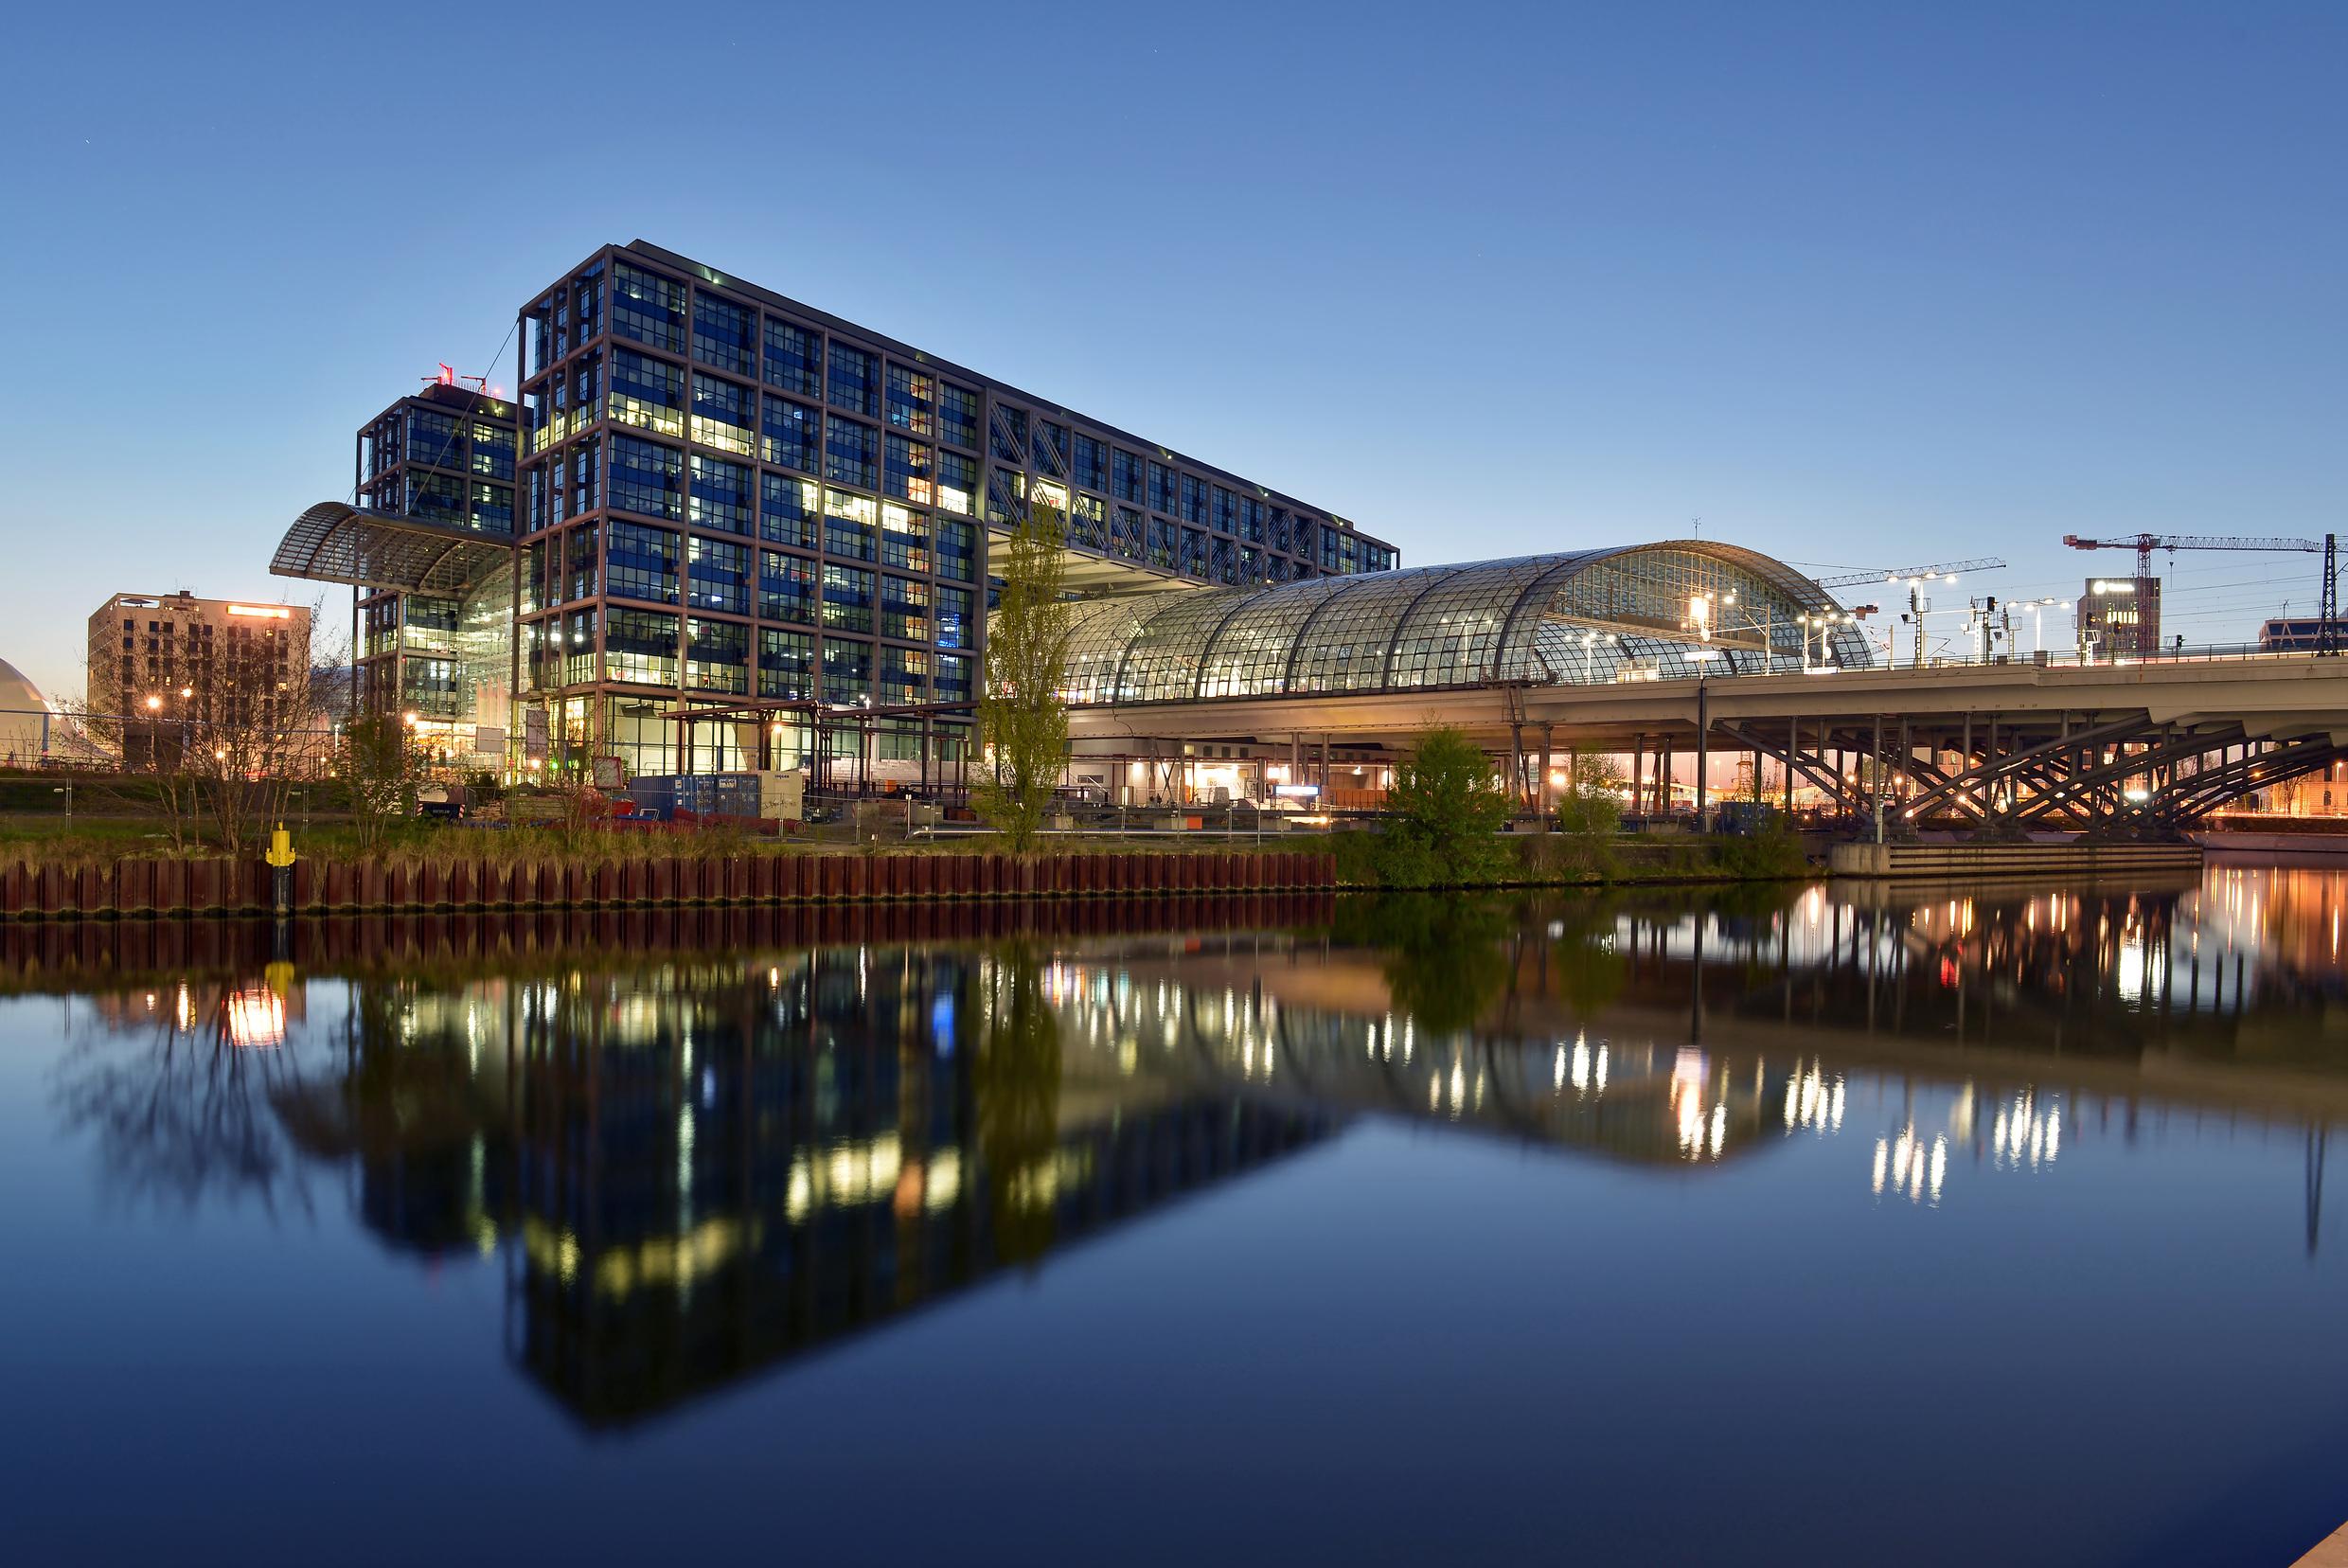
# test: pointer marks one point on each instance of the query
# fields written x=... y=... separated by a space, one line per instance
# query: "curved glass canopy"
x=1633 y=612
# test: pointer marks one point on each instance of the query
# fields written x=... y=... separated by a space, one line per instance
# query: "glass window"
x=1125 y=478
x=647 y=308
x=1194 y=553
x=855 y=381
x=957 y=482
x=1008 y=440
x=492 y=509
x=913 y=400
x=718 y=576
x=586 y=474
x=1007 y=495
x=904 y=608
x=436 y=498
x=647 y=477
x=794 y=359
x=850 y=525
x=1195 y=500
x=725 y=334
x=717 y=656
x=952 y=681
x=786 y=510
x=434 y=439
x=786 y=587
x=785 y=665
x=847 y=598
x=794 y=436
x=958 y=415
x=1165 y=544
x=1226 y=511
x=641 y=564
x=720 y=496
x=1126 y=534
x=639 y=647
x=954 y=617
x=579 y=648
x=492 y=451
x=957 y=551
x=847 y=671
x=1162 y=490
x=851 y=453
x=905 y=472
x=647 y=393
x=1051 y=448
x=585 y=562
x=1088 y=522
x=904 y=538
x=724 y=413
x=904 y=676
x=1090 y=463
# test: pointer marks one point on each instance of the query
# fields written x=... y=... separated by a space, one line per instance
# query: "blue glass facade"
x=810 y=502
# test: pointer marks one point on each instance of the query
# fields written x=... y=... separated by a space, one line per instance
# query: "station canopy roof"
x=335 y=541
x=1625 y=612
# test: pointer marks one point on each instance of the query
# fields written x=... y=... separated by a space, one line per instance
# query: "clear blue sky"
x=1860 y=284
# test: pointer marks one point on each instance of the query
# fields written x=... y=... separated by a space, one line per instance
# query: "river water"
x=1839 y=1225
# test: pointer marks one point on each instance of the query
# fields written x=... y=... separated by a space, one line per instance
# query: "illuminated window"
x=906 y=470
x=904 y=676
x=640 y=647
x=786 y=510
x=720 y=495
x=1007 y=495
x=954 y=617
x=717 y=656
x=718 y=576
x=848 y=526
x=647 y=393
x=904 y=538
x=952 y=680
x=958 y=483
x=723 y=415
x=913 y=400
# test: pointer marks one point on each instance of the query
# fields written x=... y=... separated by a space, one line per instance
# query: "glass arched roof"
x=1588 y=615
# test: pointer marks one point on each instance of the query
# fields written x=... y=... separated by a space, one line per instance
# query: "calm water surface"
x=1953 y=1225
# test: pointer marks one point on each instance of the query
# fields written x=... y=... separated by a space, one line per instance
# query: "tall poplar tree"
x=1023 y=719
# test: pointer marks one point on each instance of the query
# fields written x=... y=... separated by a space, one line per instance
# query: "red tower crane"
x=2328 y=629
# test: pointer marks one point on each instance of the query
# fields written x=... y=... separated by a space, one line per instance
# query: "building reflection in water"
x=693 y=1168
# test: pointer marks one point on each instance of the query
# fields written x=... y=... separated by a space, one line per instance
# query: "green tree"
x=1446 y=806
x=1590 y=812
x=1022 y=717
x=380 y=768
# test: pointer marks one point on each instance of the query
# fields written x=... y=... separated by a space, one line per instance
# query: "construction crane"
x=2327 y=595
x=1923 y=574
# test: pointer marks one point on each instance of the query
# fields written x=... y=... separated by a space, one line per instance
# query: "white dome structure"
x=27 y=721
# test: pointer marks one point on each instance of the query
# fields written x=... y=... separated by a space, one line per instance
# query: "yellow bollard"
x=280 y=860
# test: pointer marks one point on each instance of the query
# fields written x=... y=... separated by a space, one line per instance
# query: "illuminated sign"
x=267 y=611
x=1297 y=792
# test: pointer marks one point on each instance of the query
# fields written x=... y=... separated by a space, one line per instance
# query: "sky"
x=1857 y=286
